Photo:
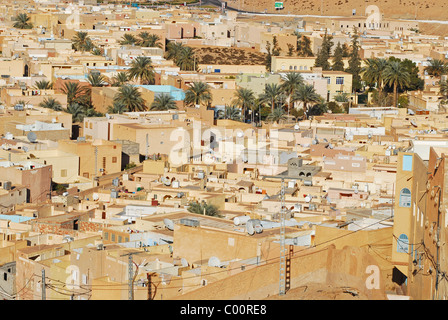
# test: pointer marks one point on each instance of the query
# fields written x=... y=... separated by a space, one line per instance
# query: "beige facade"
x=100 y=155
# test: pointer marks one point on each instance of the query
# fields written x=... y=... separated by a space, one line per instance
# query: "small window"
x=339 y=80
x=407 y=162
x=112 y=237
x=114 y=159
x=63 y=172
x=403 y=243
x=405 y=198
x=106 y=235
x=120 y=239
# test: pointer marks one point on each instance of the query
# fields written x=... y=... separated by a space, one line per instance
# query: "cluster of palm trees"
x=278 y=99
x=379 y=72
x=143 y=39
x=183 y=56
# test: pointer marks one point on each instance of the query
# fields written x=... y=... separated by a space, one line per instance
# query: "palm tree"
x=96 y=51
x=203 y=208
x=96 y=79
x=245 y=99
x=172 y=50
x=163 y=102
x=396 y=75
x=306 y=94
x=82 y=42
x=77 y=111
x=120 y=79
x=148 y=40
x=199 y=92
x=230 y=112
x=373 y=72
x=52 y=104
x=128 y=39
x=76 y=93
x=22 y=21
x=142 y=69
x=272 y=95
x=443 y=88
x=116 y=108
x=318 y=109
x=291 y=82
x=43 y=85
x=436 y=68
x=129 y=96
x=277 y=115
x=186 y=60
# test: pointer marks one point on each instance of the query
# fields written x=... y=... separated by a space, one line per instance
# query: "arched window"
x=403 y=243
x=405 y=198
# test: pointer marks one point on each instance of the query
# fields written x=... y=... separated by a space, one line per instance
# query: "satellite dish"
x=296 y=127
x=184 y=262
x=307 y=198
x=240 y=134
x=95 y=196
x=31 y=137
x=169 y=224
x=214 y=262
x=25 y=148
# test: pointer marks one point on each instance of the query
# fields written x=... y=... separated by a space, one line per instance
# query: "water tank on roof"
x=7 y=185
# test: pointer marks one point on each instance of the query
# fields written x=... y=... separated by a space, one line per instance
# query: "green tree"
x=268 y=57
x=146 y=39
x=96 y=79
x=51 y=103
x=291 y=50
x=96 y=51
x=198 y=93
x=230 y=112
x=290 y=83
x=373 y=72
x=277 y=115
x=77 y=111
x=338 y=62
x=129 y=96
x=22 y=21
x=172 y=50
x=275 y=47
x=128 y=39
x=82 y=42
x=323 y=55
x=120 y=79
x=186 y=59
x=163 y=102
x=436 y=68
x=142 y=69
x=303 y=45
x=203 y=208
x=245 y=99
x=117 y=108
x=43 y=85
x=307 y=95
x=272 y=95
x=396 y=76
x=318 y=109
x=76 y=93
x=354 y=62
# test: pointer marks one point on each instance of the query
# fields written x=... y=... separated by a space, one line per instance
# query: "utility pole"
x=131 y=273
x=131 y=277
x=43 y=285
x=282 y=267
x=146 y=157
x=96 y=165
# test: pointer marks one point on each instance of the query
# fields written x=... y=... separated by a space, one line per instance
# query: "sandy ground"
x=405 y=9
x=224 y=55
